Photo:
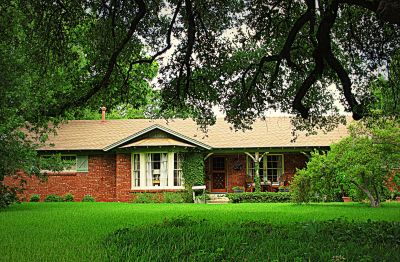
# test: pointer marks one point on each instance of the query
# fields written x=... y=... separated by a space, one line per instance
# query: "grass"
x=122 y=231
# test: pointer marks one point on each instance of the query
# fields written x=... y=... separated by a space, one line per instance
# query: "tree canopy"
x=244 y=56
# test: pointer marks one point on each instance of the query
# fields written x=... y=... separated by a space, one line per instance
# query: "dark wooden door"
x=218 y=179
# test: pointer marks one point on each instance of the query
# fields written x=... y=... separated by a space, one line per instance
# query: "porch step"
x=218 y=199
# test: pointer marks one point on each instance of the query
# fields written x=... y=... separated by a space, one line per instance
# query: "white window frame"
x=178 y=170
x=264 y=176
x=282 y=168
x=144 y=176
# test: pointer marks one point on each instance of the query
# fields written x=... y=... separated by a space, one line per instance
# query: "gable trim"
x=151 y=128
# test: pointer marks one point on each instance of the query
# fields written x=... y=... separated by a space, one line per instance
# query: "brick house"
x=116 y=158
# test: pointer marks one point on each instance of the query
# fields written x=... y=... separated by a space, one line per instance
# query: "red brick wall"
x=123 y=178
x=235 y=177
x=291 y=162
x=109 y=177
x=99 y=181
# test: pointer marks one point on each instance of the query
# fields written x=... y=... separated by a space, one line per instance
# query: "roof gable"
x=156 y=127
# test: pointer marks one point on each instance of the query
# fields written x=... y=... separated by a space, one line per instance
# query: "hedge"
x=261 y=197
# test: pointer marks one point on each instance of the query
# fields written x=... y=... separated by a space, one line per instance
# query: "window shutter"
x=82 y=163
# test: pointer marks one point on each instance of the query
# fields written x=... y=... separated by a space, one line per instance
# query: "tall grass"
x=78 y=231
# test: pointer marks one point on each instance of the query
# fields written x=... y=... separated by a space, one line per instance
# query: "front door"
x=218 y=175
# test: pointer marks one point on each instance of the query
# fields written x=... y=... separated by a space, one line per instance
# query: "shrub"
x=261 y=197
x=170 y=197
x=54 y=198
x=8 y=196
x=144 y=198
x=35 y=198
x=88 y=198
x=166 y=197
x=69 y=197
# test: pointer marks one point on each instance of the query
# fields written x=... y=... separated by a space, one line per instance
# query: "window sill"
x=61 y=173
x=157 y=188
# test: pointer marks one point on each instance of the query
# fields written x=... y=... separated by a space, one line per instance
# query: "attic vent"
x=157 y=134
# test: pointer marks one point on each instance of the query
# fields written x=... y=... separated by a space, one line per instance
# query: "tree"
x=360 y=164
x=39 y=75
x=245 y=56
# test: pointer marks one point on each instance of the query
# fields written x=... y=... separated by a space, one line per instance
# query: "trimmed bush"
x=35 y=198
x=69 y=197
x=261 y=197
x=88 y=198
x=145 y=198
x=53 y=198
x=166 y=197
x=170 y=197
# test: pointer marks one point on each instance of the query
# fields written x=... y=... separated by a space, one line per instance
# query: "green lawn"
x=91 y=231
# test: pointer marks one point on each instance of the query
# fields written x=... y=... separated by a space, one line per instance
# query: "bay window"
x=156 y=170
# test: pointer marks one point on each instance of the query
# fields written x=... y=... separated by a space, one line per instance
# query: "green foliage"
x=53 y=198
x=145 y=198
x=193 y=170
x=301 y=187
x=165 y=197
x=88 y=198
x=69 y=197
x=260 y=197
x=359 y=166
x=333 y=240
x=35 y=198
x=169 y=197
x=8 y=196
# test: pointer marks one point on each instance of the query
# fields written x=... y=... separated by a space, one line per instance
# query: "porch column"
x=256 y=159
x=170 y=167
x=142 y=172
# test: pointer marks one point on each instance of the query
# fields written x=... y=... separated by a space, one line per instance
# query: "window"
x=251 y=169
x=271 y=168
x=156 y=170
x=69 y=159
x=75 y=163
x=274 y=167
x=218 y=163
x=136 y=169
x=177 y=170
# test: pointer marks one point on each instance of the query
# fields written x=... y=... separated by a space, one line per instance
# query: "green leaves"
x=359 y=166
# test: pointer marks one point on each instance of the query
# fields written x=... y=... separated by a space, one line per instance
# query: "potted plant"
x=238 y=189
x=283 y=188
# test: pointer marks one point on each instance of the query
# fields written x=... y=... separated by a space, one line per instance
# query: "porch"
x=226 y=172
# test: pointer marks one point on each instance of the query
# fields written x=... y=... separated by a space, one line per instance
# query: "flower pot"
x=346 y=199
x=398 y=199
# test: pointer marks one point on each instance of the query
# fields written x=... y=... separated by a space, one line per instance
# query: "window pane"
x=136 y=170
x=177 y=170
x=218 y=163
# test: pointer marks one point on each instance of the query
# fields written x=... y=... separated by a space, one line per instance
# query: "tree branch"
x=111 y=63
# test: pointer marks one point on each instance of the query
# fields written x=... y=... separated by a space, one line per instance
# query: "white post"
x=170 y=167
x=142 y=172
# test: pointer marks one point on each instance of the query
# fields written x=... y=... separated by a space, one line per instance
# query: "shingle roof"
x=269 y=133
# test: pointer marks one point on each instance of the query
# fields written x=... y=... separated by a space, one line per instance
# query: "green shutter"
x=82 y=163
